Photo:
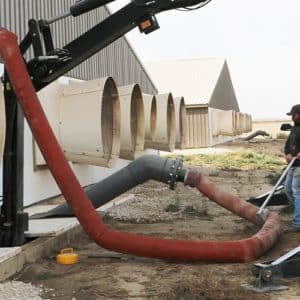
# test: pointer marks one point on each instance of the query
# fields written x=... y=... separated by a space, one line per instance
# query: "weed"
x=239 y=160
x=174 y=207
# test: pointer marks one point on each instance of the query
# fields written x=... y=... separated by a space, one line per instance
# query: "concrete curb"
x=47 y=245
x=36 y=249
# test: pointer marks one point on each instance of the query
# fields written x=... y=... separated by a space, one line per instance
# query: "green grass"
x=239 y=160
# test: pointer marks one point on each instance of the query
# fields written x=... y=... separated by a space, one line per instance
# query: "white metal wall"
x=207 y=127
x=197 y=127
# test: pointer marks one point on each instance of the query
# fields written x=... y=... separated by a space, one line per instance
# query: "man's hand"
x=289 y=157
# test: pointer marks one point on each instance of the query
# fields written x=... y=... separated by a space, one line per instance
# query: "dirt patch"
x=180 y=214
x=260 y=145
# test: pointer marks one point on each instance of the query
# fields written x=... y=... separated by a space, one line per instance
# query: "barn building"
x=212 y=109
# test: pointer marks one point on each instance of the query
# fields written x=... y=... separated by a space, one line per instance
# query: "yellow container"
x=67 y=257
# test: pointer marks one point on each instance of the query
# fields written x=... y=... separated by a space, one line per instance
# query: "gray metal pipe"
x=137 y=172
x=255 y=134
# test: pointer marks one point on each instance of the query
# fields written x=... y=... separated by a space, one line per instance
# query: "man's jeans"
x=292 y=188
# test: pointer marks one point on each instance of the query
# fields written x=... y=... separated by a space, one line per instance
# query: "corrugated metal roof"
x=193 y=79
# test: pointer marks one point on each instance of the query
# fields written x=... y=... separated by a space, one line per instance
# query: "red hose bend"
x=270 y=230
x=179 y=250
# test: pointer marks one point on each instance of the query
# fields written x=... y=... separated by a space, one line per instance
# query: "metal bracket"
x=173 y=173
x=148 y=24
x=269 y=274
x=41 y=66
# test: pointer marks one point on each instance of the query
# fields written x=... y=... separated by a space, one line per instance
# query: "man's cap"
x=295 y=109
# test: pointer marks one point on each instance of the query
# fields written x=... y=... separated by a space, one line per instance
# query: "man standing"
x=292 y=149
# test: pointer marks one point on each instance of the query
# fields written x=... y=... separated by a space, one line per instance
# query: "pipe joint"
x=174 y=172
x=157 y=168
x=192 y=178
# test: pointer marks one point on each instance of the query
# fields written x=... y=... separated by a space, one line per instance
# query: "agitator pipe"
x=178 y=250
x=136 y=172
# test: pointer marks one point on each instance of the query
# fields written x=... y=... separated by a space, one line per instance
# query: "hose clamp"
x=176 y=165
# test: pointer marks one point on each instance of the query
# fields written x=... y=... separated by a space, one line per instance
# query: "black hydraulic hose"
x=83 y=6
x=137 y=172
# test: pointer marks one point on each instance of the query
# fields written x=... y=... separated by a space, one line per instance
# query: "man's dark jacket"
x=292 y=145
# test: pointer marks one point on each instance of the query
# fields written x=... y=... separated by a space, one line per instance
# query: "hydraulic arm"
x=137 y=13
x=47 y=64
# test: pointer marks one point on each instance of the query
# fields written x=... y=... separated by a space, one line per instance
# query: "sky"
x=259 y=39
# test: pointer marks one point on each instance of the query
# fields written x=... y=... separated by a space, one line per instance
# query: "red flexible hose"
x=178 y=250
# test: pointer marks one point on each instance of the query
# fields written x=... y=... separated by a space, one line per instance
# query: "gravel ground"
x=18 y=290
x=155 y=203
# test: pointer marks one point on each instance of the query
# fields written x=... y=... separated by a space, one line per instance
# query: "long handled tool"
x=262 y=213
